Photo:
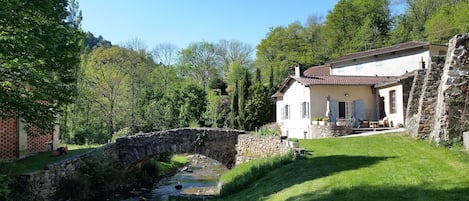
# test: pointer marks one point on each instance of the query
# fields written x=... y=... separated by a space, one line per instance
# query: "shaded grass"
x=381 y=167
x=40 y=161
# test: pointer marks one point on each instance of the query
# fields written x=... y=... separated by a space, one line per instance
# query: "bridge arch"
x=219 y=144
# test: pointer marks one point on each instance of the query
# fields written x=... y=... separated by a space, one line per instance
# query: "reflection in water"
x=199 y=178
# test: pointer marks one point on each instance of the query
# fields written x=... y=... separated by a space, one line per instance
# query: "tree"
x=137 y=65
x=39 y=56
x=258 y=107
x=449 y=20
x=107 y=78
x=231 y=51
x=164 y=54
x=75 y=15
x=411 y=24
x=286 y=46
x=198 y=62
x=357 y=25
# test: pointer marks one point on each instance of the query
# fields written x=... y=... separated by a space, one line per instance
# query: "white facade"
x=292 y=121
x=391 y=64
x=395 y=116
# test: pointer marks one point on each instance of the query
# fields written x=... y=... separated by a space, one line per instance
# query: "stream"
x=199 y=177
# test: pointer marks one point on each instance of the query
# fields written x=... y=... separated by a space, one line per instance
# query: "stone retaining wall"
x=252 y=147
x=452 y=102
x=45 y=183
x=329 y=130
x=421 y=123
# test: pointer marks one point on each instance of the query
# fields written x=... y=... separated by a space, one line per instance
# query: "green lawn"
x=381 y=167
x=41 y=160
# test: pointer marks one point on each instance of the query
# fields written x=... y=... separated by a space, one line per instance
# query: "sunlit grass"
x=40 y=161
x=177 y=161
x=381 y=167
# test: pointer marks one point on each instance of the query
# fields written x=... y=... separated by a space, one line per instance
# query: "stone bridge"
x=218 y=144
x=227 y=146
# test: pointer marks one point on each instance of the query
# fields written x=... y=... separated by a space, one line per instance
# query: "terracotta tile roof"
x=407 y=75
x=318 y=70
x=340 y=80
x=343 y=80
x=379 y=51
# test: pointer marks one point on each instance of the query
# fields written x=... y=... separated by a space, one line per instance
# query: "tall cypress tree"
x=234 y=107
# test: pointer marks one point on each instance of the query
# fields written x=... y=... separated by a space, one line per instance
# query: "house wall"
x=338 y=93
x=295 y=126
x=394 y=119
x=8 y=138
x=388 y=64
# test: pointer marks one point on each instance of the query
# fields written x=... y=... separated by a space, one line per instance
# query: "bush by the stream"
x=245 y=173
x=96 y=173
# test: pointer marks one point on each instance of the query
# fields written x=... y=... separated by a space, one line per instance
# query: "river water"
x=200 y=177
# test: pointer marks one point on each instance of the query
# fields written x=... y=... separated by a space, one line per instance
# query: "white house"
x=367 y=85
x=303 y=98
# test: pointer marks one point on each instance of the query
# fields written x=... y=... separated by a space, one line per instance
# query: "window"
x=392 y=101
x=304 y=110
x=286 y=112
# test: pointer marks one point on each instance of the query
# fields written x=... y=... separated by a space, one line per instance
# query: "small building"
x=16 y=143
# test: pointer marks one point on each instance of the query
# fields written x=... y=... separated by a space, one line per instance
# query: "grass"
x=41 y=160
x=177 y=161
x=246 y=173
x=380 y=167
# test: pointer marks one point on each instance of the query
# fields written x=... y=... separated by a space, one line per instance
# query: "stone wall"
x=44 y=183
x=421 y=123
x=329 y=130
x=412 y=109
x=451 y=118
x=442 y=109
x=252 y=147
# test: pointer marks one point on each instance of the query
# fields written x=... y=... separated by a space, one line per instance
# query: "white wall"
x=398 y=117
x=296 y=126
x=390 y=65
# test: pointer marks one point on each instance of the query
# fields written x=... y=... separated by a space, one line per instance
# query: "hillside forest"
x=120 y=89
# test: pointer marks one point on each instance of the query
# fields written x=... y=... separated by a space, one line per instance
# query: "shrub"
x=246 y=173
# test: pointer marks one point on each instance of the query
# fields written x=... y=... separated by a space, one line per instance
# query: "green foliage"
x=357 y=25
x=217 y=110
x=39 y=57
x=285 y=46
x=121 y=133
x=20 y=190
x=449 y=20
x=245 y=173
x=96 y=173
x=5 y=173
x=258 y=107
x=265 y=132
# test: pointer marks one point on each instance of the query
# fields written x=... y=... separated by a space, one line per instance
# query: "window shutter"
x=302 y=110
x=334 y=110
x=359 y=112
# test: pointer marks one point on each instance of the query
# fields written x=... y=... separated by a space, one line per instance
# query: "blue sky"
x=181 y=22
